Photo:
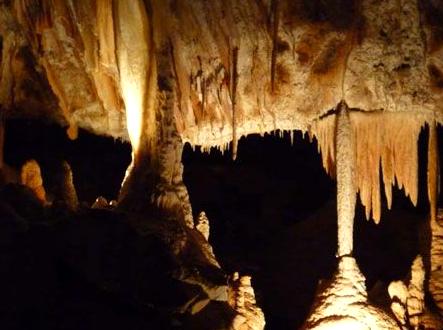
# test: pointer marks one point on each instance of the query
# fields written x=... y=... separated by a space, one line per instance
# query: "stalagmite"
x=433 y=170
x=436 y=221
x=342 y=302
x=346 y=193
x=68 y=191
x=202 y=225
x=398 y=292
x=242 y=300
x=234 y=83
x=408 y=300
x=324 y=131
x=32 y=178
x=100 y=203
x=2 y=142
x=436 y=276
x=416 y=299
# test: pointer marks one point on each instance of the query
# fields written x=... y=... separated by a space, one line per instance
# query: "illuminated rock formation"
x=242 y=299
x=435 y=223
x=100 y=203
x=408 y=301
x=68 y=191
x=436 y=275
x=342 y=303
x=239 y=68
x=362 y=81
x=202 y=225
x=31 y=177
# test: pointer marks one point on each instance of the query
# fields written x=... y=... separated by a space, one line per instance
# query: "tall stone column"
x=137 y=66
x=346 y=191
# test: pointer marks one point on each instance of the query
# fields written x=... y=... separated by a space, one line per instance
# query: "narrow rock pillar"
x=346 y=192
x=2 y=142
x=135 y=53
x=436 y=221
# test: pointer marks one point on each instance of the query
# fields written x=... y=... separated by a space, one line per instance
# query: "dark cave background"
x=272 y=215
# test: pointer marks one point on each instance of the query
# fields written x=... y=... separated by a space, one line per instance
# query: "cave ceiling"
x=234 y=68
x=290 y=61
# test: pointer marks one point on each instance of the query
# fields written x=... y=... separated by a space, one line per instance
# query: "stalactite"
x=324 y=131
x=346 y=192
x=432 y=172
x=234 y=82
x=2 y=142
x=389 y=140
x=382 y=140
x=367 y=137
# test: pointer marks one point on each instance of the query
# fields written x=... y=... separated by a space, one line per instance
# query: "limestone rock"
x=242 y=298
x=68 y=191
x=100 y=203
x=202 y=225
x=398 y=292
x=436 y=275
x=343 y=302
x=408 y=302
x=294 y=61
x=32 y=178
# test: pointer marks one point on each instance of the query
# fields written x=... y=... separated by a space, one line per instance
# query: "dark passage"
x=98 y=163
x=272 y=215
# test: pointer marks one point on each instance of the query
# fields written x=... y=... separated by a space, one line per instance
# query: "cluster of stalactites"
x=229 y=146
x=386 y=145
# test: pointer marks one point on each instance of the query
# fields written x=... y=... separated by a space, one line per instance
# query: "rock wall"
x=284 y=63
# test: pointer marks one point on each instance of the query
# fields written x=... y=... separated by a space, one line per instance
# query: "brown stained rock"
x=436 y=275
x=374 y=55
x=242 y=299
x=408 y=301
x=31 y=177
x=68 y=191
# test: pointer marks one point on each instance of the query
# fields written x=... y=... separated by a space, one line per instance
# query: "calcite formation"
x=343 y=304
x=436 y=271
x=31 y=177
x=69 y=193
x=242 y=298
x=239 y=67
x=408 y=301
x=363 y=77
